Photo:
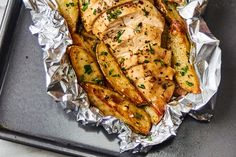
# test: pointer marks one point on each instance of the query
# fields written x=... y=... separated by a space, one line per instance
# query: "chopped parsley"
x=97 y=81
x=111 y=71
x=119 y=34
x=85 y=6
x=190 y=84
x=146 y=13
x=113 y=75
x=141 y=86
x=160 y=61
x=122 y=60
x=105 y=65
x=116 y=75
x=113 y=14
x=87 y=69
x=104 y=53
x=146 y=61
x=138 y=116
x=138 y=27
x=70 y=4
x=94 y=12
x=151 y=49
x=184 y=70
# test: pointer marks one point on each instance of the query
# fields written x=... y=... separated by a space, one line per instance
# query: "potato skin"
x=85 y=66
x=111 y=103
x=115 y=76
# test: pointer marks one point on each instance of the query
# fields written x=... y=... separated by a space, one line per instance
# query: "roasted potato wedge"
x=179 y=43
x=87 y=43
x=155 y=118
x=70 y=11
x=115 y=76
x=111 y=103
x=85 y=66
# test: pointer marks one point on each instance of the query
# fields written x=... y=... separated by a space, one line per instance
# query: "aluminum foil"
x=62 y=85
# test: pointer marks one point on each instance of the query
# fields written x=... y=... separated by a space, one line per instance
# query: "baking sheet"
x=25 y=107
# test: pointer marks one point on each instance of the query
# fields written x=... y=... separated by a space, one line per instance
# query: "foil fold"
x=62 y=86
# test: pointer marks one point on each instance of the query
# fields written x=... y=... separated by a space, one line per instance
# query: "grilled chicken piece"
x=130 y=55
x=139 y=11
x=92 y=9
x=157 y=92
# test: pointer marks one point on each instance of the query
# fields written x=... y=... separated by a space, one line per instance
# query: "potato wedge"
x=115 y=76
x=179 y=43
x=111 y=103
x=85 y=66
x=155 y=118
x=70 y=11
x=185 y=75
x=87 y=43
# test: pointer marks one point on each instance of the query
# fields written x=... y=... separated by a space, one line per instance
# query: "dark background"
x=25 y=107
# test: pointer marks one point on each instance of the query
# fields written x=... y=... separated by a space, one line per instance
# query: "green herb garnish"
x=122 y=60
x=87 y=69
x=184 y=70
x=138 y=28
x=113 y=14
x=111 y=71
x=104 y=53
x=70 y=4
x=116 y=75
x=190 y=84
x=94 y=12
x=138 y=116
x=151 y=50
x=119 y=34
x=85 y=6
x=146 y=13
x=97 y=81
x=141 y=86
x=146 y=61
x=159 y=61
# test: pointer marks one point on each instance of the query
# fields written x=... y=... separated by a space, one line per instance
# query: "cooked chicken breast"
x=131 y=14
x=92 y=9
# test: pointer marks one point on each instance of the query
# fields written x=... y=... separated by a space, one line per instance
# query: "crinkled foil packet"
x=62 y=85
